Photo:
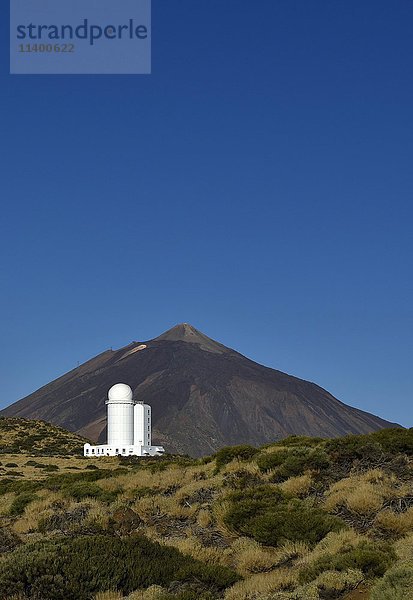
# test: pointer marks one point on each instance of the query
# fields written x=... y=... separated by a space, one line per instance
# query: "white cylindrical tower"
x=143 y=424
x=120 y=416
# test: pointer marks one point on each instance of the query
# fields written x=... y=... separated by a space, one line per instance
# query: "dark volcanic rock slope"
x=203 y=396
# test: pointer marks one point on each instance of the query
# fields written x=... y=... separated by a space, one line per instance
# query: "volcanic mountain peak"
x=184 y=332
x=203 y=396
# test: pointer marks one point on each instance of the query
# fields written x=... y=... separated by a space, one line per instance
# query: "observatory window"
x=93 y=450
x=87 y=451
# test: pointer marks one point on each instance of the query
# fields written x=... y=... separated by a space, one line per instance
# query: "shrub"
x=271 y=460
x=20 y=502
x=124 y=521
x=18 y=487
x=397 y=584
x=63 y=520
x=293 y=522
x=267 y=515
x=330 y=585
x=56 y=483
x=82 y=485
x=78 y=568
x=372 y=559
x=84 y=489
x=353 y=447
x=299 y=440
x=395 y=440
x=241 y=479
x=226 y=455
x=8 y=540
x=293 y=462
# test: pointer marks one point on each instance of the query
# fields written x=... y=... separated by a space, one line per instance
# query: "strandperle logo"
x=85 y=31
x=80 y=36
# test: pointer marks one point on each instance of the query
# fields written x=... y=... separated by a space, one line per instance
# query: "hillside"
x=300 y=519
x=203 y=395
x=19 y=436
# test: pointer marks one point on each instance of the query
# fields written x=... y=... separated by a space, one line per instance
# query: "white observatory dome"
x=120 y=393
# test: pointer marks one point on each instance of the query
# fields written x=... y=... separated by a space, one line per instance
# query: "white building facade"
x=129 y=427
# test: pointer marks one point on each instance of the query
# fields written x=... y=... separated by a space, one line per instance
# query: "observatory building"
x=129 y=427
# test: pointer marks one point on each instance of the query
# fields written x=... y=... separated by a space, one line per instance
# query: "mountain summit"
x=184 y=332
x=203 y=396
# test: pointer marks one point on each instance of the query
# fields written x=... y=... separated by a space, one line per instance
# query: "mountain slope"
x=203 y=396
x=18 y=436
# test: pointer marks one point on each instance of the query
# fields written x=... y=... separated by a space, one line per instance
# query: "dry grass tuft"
x=5 y=503
x=36 y=510
x=249 y=556
x=297 y=486
x=98 y=516
x=152 y=593
x=192 y=546
x=163 y=505
x=333 y=543
x=361 y=494
x=258 y=586
x=332 y=584
x=238 y=465
x=404 y=547
x=395 y=523
x=220 y=509
x=204 y=518
x=109 y=596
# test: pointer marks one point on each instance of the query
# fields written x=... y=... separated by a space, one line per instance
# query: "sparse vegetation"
x=300 y=519
x=37 y=438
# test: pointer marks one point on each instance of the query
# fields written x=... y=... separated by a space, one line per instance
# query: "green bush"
x=271 y=460
x=293 y=522
x=63 y=480
x=49 y=468
x=84 y=489
x=267 y=515
x=395 y=440
x=8 y=540
x=353 y=447
x=20 y=502
x=226 y=455
x=78 y=568
x=65 y=521
x=293 y=462
x=298 y=440
x=372 y=559
x=371 y=446
x=397 y=584
x=18 y=487
x=242 y=479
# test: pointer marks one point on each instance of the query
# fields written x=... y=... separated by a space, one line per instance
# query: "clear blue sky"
x=258 y=185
